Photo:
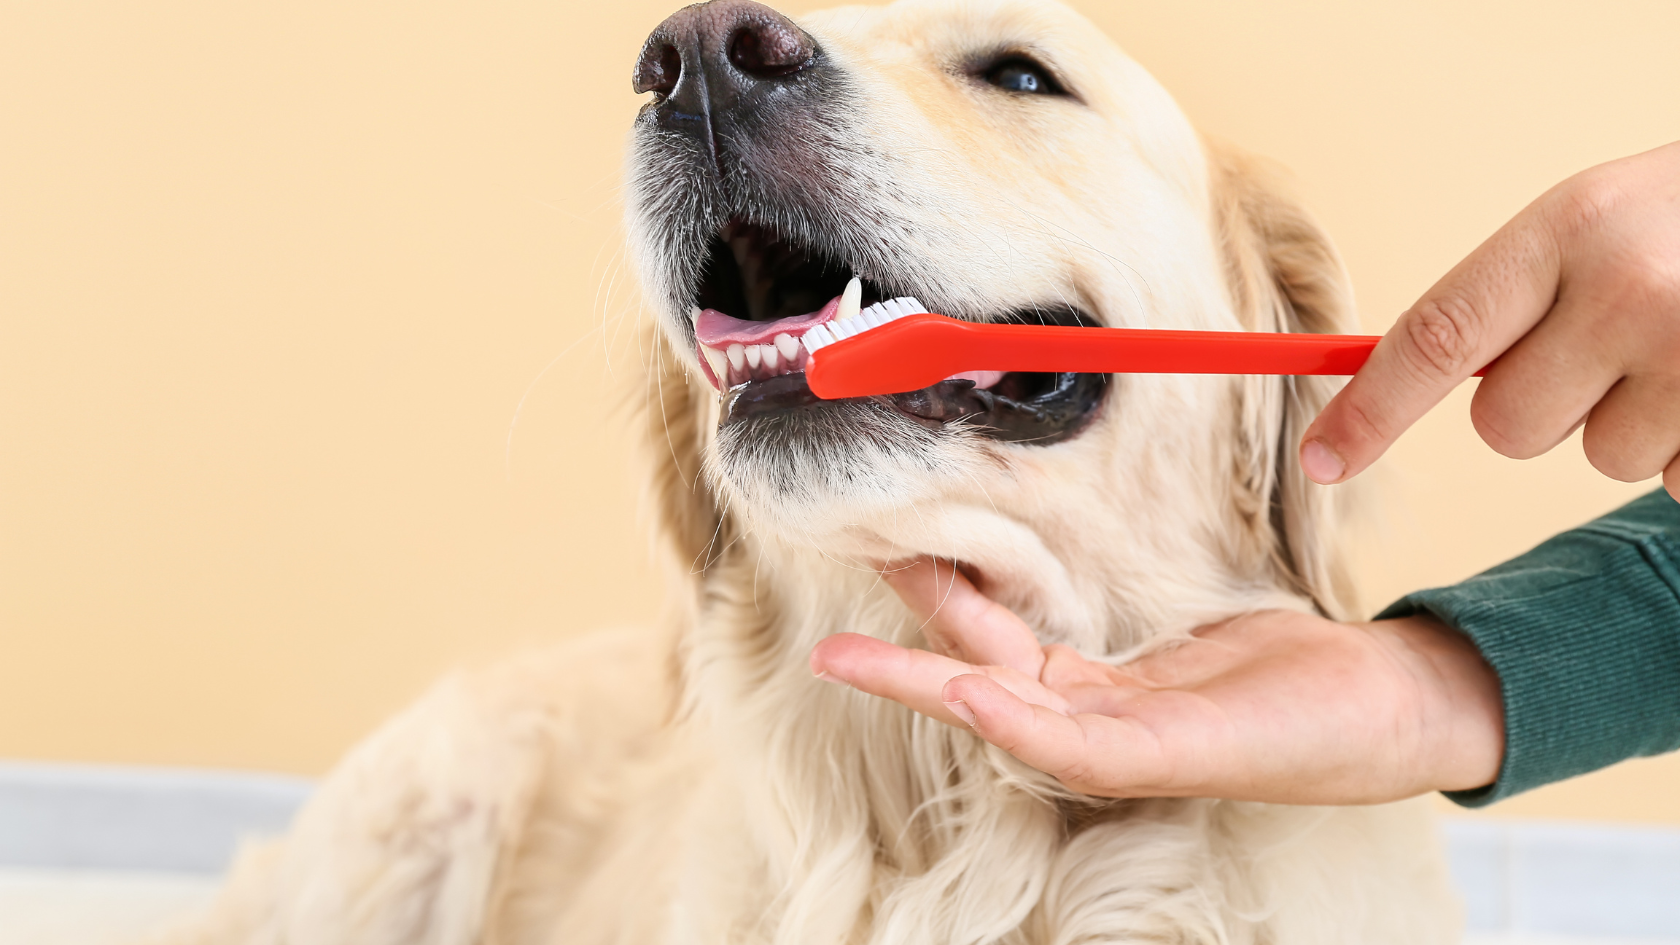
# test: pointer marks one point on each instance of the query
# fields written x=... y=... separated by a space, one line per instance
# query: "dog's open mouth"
x=760 y=293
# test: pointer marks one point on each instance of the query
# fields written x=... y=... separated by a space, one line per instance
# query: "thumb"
x=1479 y=309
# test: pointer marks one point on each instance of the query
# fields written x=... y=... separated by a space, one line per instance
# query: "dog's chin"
x=780 y=445
x=808 y=475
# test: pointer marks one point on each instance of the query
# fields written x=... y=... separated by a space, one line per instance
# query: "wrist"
x=1461 y=711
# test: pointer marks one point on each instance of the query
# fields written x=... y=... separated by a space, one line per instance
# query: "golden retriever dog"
x=999 y=160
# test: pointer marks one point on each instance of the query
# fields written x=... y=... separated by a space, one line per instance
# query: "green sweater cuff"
x=1584 y=632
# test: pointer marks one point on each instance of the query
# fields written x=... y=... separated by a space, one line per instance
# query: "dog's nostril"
x=770 y=47
x=658 y=69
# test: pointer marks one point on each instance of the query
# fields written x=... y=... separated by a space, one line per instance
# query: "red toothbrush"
x=897 y=346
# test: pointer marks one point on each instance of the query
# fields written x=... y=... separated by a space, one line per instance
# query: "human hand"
x=1579 y=299
x=1274 y=706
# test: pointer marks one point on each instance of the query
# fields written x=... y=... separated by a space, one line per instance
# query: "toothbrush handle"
x=920 y=350
x=1166 y=351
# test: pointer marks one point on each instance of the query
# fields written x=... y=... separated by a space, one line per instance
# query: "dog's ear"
x=689 y=519
x=1283 y=275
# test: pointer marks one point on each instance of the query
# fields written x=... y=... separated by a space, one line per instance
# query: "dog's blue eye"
x=1023 y=76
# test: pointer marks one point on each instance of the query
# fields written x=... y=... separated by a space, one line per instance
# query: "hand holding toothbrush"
x=1579 y=299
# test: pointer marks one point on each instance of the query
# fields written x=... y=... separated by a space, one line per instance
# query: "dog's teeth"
x=849 y=300
x=719 y=364
x=755 y=356
x=787 y=347
x=737 y=357
x=772 y=359
x=694 y=316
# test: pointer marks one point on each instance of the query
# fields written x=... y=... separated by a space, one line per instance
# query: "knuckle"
x=1366 y=425
x=1442 y=336
x=1589 y=199
x=1654 y=280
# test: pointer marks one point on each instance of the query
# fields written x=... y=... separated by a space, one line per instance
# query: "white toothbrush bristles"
x=849 y=321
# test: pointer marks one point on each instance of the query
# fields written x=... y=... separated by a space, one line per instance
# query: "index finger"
x=962 y=622
x=915 y=678
x=1479 y=309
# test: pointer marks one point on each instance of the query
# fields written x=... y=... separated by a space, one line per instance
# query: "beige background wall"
x=314 y=330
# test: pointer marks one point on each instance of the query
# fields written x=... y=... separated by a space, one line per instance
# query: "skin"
x=1578 y=299
x=1276 y=706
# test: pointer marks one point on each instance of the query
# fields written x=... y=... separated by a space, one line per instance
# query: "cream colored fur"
x=695 y=785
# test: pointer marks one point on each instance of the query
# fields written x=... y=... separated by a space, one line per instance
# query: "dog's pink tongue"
x=717 y=330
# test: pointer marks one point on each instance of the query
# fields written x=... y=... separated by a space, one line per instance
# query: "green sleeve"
x=1584 y=632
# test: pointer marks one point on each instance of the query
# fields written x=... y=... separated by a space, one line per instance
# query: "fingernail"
x=962 y=711
x=1321 y=463
x=825 y=677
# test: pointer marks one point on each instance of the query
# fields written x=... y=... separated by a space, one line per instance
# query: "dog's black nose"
x=707 y=58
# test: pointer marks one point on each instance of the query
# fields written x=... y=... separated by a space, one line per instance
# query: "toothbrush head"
x=890 y=347
x=843 y=327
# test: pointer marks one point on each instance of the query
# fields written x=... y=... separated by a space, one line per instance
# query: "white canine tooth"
x=787 y=347
x=718 y=363
x=849 y=300
x=694 y=315
x=737 y=357
x=772 y=360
